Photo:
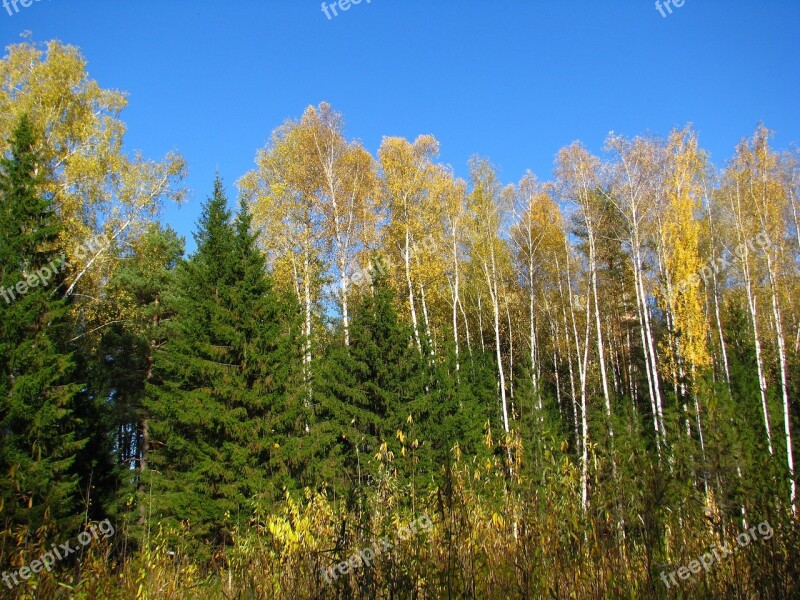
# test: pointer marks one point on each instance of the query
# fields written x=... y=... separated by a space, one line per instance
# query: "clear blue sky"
x=511 y=80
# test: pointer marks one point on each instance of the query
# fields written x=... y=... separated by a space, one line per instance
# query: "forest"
x=373 y=378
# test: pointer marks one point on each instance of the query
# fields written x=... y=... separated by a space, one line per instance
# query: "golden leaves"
x=97 y=187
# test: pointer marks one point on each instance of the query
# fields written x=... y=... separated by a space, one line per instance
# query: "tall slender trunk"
x=632 y=389
x=480 y=323
x=652 y=383
x=776 y=312
x=343 y=289
x=534 y=357
x=675 y=365
x=558 y=377
x=307 y=322
x=493 y=294
x=614 y=358
x=456 y=299
x=410 y=285
x=510 y=356
x=651 y=348
x=752 y=306
x=466 y=326
x=573 y=394
x=600 y=345
x=715 y=297
x=699 y=419
x=772 y=255
x=584 y=420
x=793 y=203
x=428 y=335
x=582 y=372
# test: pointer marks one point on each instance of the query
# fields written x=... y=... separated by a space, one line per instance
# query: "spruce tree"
x=38 y=442
x=268 y=351
x=459 y=408
x=123 y=360
x=217 y=382
x=367 y=390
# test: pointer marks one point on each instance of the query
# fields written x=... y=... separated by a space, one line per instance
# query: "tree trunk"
x=752 y=306
x=776 y=312
x=410 y=285
x=492 y=284
x=456 y=292
x=715 y=297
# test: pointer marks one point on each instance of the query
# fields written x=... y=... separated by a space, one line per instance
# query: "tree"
x=453 y=195
x=578 y=175
x=537 y=236
x=409 y=176
x=679 y=230
x=96 y=186
x=218 y=383
x=38 y=380
x=633 y=193
x=373 y=386
x=345 y=195
x=490 y=255
x=128 y=346
x=758 y=197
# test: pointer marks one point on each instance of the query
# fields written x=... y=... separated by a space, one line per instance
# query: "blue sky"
x=513 y=80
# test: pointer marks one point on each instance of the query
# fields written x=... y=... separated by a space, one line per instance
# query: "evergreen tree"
x=365 y=393
x=456 y=411
x=38 y=442
x=218 y=380
x=123 y=361
x=268 y=351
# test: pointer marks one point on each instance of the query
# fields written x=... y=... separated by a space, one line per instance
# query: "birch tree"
x=98 y=185
x=490 y=255
x=679 y=232
x=536 y=236
x=345 y=196
x=453 y=195
x=407 y=175
x=761 y=188
x=736 y=183
x=578 y=178
x=635 y=173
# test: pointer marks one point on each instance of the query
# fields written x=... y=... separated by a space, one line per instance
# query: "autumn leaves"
x=640 y=235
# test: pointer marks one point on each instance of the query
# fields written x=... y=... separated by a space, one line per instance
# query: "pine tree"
x=38 y=442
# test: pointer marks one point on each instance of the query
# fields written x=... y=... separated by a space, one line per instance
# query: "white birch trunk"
x=776 y=312
x=752 y=306
x=410 y=285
